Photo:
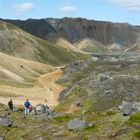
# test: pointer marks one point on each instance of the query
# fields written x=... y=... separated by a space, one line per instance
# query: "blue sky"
x=106 y=10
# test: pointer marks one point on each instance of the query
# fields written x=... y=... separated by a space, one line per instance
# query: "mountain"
x=20 y=72
x=75 y=30
x=90 y=45
x=134 y=48
x=18 y=43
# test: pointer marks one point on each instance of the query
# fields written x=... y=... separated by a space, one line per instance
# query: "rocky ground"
x=107 y=125
x=104 y=81
x=101 y=102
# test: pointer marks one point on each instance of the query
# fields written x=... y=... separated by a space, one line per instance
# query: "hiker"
x=27 y=106
x=10 y=104
x=47 y=107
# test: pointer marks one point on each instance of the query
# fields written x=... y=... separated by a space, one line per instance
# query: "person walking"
x=27 y=106
x=10 y=104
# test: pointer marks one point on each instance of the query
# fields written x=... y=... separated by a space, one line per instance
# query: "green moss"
x=16 y=133
x=55 y=55
x=137 y=134
x=135 y=118
x=90 y=128
x=102 y=105
x=96 y=48
x=62 y=118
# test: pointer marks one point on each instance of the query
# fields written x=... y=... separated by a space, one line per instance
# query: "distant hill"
x=75 y=30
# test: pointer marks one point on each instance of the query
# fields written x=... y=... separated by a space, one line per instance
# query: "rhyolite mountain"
x=18 y=43
x=76 y=30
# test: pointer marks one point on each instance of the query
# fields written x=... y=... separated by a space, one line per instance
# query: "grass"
x=16 y=133
x=137 y=134
x=135 y=119
x=95 y=49
x=90 y=128
x=31 y=128
x=110 y=113
x=2 y=26
x=62 y=118
x=55 y=55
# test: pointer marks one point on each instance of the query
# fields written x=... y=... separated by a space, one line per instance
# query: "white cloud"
x=22 y=8
x=130 y=5
x=68 y=9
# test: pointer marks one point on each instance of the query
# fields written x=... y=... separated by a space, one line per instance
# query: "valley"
x=87 y=73
x=43 y=88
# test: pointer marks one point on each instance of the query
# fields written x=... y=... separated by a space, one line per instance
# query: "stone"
x=126 y=108
x=40 y=109
x=43 y=112
x=90 y=124
x=137 y=106
x=1 y=138
x=39 y=138
x=77 y=124
x=6 y=122
x=129 y=108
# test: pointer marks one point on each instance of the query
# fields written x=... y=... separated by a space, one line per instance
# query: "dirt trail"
x=44 y=88
x=52 y=89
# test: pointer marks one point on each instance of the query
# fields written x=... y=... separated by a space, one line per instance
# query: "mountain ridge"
x=76 y=29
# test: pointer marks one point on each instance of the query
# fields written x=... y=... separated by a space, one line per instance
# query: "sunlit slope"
x=18 y=43
x=20 y=71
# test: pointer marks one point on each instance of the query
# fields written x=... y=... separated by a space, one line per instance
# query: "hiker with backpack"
x=27 y=107
x=10 y=104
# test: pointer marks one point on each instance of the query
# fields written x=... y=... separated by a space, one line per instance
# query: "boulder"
x=128 y=108
x=77 y=124
x=6 y=122
x=40 y=109
x=1 y=138
x=137 y=106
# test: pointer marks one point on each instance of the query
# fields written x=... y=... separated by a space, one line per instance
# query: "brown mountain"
x=75 y=30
